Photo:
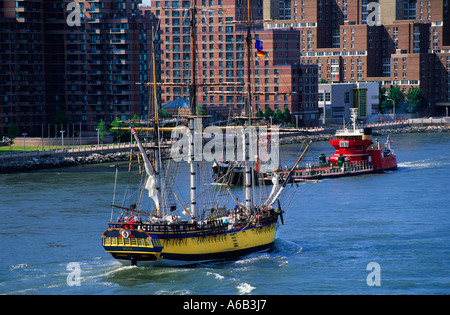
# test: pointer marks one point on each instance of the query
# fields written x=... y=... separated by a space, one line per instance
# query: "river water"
x=400 y=221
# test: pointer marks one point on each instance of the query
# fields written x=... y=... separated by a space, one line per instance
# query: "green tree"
x=201 y=111
x=259 y=113
x=135 y=120
x=382 y=99
x=165 y=114
x=278 y=116
x=416 y=100
x=267 y=114
x=13 y=132
x=118 y=134
x=101 y=127
x=286 y=115
x=395 y=94
x=60 y=119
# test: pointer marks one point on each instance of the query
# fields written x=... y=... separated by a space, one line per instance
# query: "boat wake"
x=245 y=288
x=241 y=287
x=231 y=273
x=288 y=248
x=422 y=164
x=234 y=274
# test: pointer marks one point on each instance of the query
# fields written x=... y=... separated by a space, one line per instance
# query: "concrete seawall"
x=42 y=160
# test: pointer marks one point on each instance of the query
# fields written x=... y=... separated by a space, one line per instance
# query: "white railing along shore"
x=66 y=151
x=105 y=148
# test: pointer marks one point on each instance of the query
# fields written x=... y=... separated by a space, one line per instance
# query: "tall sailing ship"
x=211 y=226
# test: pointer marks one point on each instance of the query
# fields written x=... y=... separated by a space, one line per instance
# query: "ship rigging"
x=210 y=228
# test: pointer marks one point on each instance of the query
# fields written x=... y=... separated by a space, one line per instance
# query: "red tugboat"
x=354 y=154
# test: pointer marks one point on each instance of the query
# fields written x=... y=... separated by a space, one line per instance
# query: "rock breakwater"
x=47 y=162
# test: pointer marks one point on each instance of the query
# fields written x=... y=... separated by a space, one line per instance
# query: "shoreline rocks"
x=57 y=162
x=49 y=162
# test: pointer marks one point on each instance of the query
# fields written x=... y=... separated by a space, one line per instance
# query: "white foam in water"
x=252 y=260
x=18 y=266
x=415 y=164
x=176 y=292
x=245 y=288
x=216 y=275
x=111 y=272
x=427 y=163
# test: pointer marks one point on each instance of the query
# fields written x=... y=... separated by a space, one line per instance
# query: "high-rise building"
x=53 y=73
x=409 y=47
x=22 y=64
x=279 y=80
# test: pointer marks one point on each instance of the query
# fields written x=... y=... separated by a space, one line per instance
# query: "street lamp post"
x=393 y=105
x=24 y=146
x=62 y=138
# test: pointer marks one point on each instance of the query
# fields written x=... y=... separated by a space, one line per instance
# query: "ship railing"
x=207 y=226
x=358 y=166
x=152 y=227
x=180 y=227
x=315 y=170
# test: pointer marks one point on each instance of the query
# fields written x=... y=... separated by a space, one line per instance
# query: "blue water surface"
x=333 y=229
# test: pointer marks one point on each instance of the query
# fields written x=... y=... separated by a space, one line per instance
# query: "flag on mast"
x=133 y=131
x=258 y=45
x=261 y=54
x=259 y=50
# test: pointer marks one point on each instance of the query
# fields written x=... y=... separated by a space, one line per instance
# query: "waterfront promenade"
x=67 y=151
x=104 y=153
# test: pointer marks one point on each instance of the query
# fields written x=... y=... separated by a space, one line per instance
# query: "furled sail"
x=152 y=181
x=150 y=185
x=276 y=185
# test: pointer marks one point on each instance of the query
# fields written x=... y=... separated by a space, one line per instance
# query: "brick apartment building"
x=411 y=47
x=84 y=73
x=279 y=81
x=88 y=72
x=74 y=76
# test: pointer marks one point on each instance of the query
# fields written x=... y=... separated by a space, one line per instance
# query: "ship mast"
x=193 y=89
x=153 y=181
x=248 y=39
x=193 y=102
x=157 y=138
x=248 y=113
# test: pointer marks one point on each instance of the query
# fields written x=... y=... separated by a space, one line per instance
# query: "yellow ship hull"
x=140 y=247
